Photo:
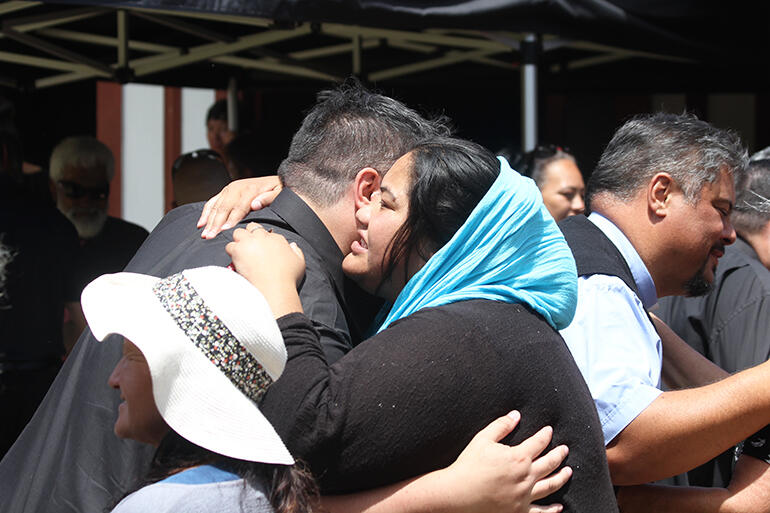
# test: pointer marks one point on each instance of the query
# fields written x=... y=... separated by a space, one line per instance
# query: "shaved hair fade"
x=348 y=129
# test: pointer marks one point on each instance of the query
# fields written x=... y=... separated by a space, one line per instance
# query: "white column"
x=232 y=105
x=142 y=165
x=529 y=93
x=195 y=105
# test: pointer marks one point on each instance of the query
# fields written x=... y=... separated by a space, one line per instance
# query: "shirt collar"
x=297 y=214
x=642 y=278
x=744 y=248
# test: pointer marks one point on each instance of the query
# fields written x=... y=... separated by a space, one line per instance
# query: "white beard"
x=6 y=255
x=88 y=221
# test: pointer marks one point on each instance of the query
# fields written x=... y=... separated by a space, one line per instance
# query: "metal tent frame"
x=44 y=37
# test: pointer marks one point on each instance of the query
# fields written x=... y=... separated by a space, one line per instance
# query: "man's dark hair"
x=349 y=129
x=217 y=111
x=752 y=198
x=692 y=151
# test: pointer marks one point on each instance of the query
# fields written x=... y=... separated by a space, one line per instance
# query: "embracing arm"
x=748 y=492
x=685 y=428
x=652 y=435
x=683 y=366
x=487 y=476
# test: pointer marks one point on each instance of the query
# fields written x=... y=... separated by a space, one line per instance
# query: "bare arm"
x=487 y=476
x=748 y=492
x=684 y=428
x=683 y=366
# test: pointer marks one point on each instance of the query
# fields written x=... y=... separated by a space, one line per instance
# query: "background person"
x=43 y=248
x=218 y=134
x=81 y=169
x=197 y=176
x=556 y=174
x=661 y=197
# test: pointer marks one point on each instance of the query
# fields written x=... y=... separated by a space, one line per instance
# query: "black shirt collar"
x=297 y=214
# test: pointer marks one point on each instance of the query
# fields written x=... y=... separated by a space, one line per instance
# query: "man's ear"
x=366 y=183
x=659 y=192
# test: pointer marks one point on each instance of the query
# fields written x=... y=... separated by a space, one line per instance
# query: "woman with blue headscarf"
x=479 y=279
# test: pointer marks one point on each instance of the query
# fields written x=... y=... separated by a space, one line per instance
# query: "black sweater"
x=408 y=400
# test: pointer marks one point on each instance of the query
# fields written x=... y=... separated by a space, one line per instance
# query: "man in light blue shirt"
x=661 y=196
x=606 y=304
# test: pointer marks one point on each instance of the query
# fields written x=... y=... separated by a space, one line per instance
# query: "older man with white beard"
x=81 y=169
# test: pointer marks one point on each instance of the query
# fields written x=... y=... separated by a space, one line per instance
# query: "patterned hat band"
x=215 y=340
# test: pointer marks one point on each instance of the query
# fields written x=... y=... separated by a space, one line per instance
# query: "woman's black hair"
x=449 y=178
x=534 y=163
x=290 y=488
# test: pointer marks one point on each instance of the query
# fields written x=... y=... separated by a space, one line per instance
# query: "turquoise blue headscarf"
x=509 y=249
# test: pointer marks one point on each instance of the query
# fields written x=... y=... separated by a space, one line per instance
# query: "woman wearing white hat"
x=200 y=349
x=479 y=278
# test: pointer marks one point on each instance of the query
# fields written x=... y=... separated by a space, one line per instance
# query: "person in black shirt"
x=41 y=249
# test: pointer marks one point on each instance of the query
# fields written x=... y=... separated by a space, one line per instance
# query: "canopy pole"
x=232 y=105
x=122 y=39
x=529 y=52
x=357 y=55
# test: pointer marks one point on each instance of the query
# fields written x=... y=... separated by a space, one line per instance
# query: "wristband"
x=758 y=445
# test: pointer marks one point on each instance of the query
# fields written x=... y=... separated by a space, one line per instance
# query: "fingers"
x=217 y=218
x=549 y=462
x=551 y=508
x=536 y=443
x=265 y=198
x=500 y=427
x=237 y=213
x=234 y=202
x=203 y=219
x=231 y=206
x=297 y=251
x=550 y=484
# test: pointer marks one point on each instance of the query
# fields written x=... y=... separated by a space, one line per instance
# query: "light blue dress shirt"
x=613 y=341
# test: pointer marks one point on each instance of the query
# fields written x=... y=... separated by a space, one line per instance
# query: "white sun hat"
x=213 y=348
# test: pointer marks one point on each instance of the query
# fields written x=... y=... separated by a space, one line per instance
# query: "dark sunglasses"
x=548 y=150
x=194 y=155
x=75 y=190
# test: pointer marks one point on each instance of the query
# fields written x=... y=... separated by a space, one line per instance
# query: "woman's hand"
x=271 y=264
x=236 y=200
x=488 y=476
x=498 y=477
